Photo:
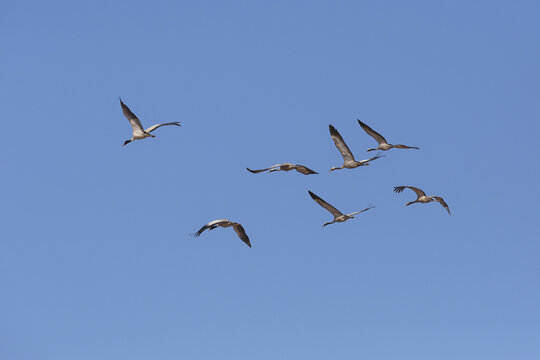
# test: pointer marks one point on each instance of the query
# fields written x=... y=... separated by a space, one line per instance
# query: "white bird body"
x=348 y=158
x=225 y=223
x=421 y=197
x=138 y=131
x=338 y=215
x=383 y=147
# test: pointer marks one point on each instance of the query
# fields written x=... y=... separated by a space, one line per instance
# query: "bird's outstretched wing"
x=257 y=171
x=340 y=144
x=380 y=139
x=261 y=170
x=377 y=156
x=441 y=201
x=241 y=233
x=406 y=147
x=133 y=120
x=304 y=170
x=325 y=205
x=210 y=225
x=370 y=206
x=154 y=127
x=419 y=193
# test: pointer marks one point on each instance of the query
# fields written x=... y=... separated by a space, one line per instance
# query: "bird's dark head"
x=371 y=149
x=126 y=142
x=334 y=168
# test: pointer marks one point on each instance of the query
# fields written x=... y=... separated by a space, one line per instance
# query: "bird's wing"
x=419 y=193
x=154 y=127
x=304 y=170
x=442 y=202
x=209 y=225
x=241 y=233
x=380 y=139
x=257 y=171
x=379 y=155
x=133 y=120
x=370 y=206
x=261 y=170
x=325 y=205
x=406 y=147
x=340 y=144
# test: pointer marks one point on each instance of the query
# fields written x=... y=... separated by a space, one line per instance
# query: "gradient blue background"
x=95 y=257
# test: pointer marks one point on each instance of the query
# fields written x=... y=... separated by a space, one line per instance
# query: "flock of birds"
x=349 y=162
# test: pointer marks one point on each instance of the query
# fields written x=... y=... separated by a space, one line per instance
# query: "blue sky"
x=95 y=257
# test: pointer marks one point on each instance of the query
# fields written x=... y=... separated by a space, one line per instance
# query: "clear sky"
x=96 y=261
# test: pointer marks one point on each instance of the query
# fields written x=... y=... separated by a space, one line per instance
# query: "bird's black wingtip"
x=398 y=189
x=313 y=196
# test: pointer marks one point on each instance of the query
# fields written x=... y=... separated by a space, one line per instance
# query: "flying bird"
x=348 y=158
x=383 y=144
x=285 y=167
x=421 y=197
x=225 y=223
x=338 y=215
x=138 y=131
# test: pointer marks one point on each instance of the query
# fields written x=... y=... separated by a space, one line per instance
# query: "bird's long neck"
x=328 y=223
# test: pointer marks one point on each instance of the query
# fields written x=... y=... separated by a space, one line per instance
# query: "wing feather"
x=261 y=170
x=325 y=205
x=133 y=120
x=154 y=127
x=241 y=233
x=209 y=225
x=399 y=146
x=442 y=202
x=304 y=170
x=419 y=193
x=341 y=145
x=380 y=139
